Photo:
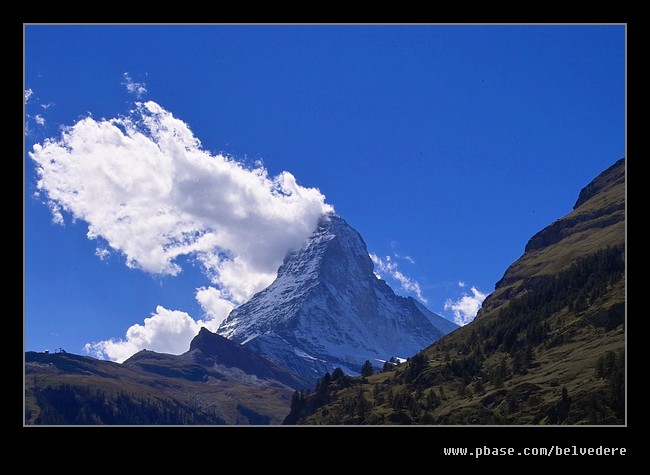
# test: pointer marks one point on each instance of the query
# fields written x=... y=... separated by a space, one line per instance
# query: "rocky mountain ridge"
x=327 y=309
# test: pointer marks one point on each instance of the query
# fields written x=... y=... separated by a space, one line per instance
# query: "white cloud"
x=147 y=188
x=467 y=306
x=166 y=331
x=137 y=88
x=406 y=258
x=102 y=253
x=40 y=120
x=28 y=94
x=57 y=216
x=461 y=284
x=215 y=306
x=388 y=266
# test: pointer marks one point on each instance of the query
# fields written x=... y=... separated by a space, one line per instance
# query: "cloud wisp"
x=147 y=188
x=137 y=88
x=406 y=258
x=31 y=117
x=389 y=266
x=466 y=306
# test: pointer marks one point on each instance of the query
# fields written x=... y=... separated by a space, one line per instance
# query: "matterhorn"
x=328 y=309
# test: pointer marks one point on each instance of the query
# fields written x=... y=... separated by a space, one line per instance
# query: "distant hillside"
x=546 y=348
x=216 y=382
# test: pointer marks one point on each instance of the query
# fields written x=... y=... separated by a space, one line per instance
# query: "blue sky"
x=447 y=147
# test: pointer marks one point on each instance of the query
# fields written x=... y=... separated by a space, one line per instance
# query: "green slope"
x=203 y=386
x=546 y=348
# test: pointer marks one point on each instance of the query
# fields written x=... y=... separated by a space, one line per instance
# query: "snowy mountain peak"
x=331 y=231
x=326 y=308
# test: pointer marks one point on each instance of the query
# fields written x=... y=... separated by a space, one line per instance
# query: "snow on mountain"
x=327 y=308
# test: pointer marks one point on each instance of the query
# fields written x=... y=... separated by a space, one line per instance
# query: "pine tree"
x=495 y=378
x=528 y=356
x=427 y=419
x=442 y=392
x=366 y=369
x=600 y=368
x=503 y=368
x=518 y=365
x=362 y=406
x=378 y=396
x=462 y=389
x=432 y=400
x=322 y=384
x=337 y=373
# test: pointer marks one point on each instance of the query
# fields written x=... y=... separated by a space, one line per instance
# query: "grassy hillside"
x=63 y=389
x=546 y=348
